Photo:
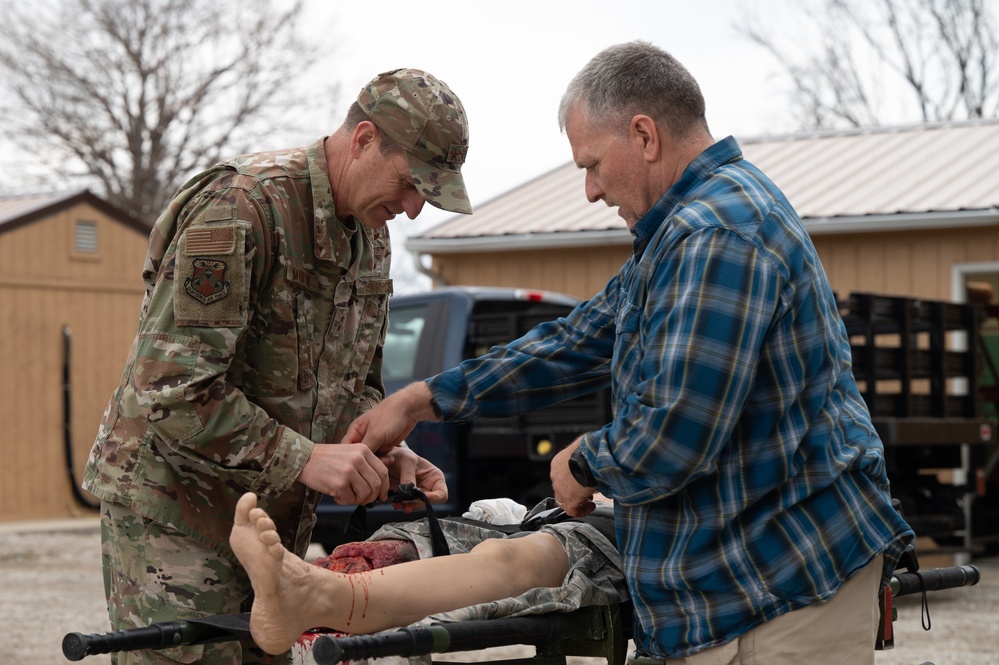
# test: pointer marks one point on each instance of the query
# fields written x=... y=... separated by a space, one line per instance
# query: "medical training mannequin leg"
x=292 y=596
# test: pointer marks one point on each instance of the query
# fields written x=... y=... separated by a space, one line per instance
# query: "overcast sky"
x=510 y=60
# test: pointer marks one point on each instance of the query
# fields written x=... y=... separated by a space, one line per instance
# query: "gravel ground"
x=50 y=584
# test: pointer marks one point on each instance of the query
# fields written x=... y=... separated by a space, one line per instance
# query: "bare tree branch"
x=135 y=96
x=939 y=55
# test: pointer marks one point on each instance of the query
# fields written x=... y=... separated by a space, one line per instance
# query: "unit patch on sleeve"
x=210 y=276
x=208 y=284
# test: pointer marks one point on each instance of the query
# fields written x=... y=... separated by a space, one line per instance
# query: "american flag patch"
x=214 y=240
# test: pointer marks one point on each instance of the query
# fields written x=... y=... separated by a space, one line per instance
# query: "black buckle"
x=357 y=527
x=543 y=514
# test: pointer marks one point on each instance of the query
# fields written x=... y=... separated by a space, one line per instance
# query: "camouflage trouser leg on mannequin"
x=154 y=574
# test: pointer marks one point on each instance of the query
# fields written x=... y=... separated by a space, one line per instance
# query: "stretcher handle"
x=903 y=584
x=162 y=635
x=76 y=646
x=439 y=638
x=327 y=650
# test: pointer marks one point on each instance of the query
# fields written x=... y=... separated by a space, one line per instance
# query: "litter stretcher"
x=599 y=630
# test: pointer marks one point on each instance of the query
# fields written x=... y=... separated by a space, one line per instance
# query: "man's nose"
x=413 y=204
x=593 y=190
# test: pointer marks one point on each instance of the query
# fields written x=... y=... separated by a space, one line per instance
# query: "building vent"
x=86 y=237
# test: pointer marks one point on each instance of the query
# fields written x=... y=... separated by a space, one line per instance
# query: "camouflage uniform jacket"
x=260 y=333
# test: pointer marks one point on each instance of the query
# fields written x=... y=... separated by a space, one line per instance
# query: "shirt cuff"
x=450 y=392
x=285 y=464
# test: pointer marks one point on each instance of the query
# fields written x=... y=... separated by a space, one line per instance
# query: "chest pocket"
x=629 y=352
x=627 y=342
x=627 y=320
x=361 y=309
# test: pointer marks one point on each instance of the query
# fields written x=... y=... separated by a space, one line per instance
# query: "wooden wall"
x=904 y=263
x=579 y=272
x=44 y=285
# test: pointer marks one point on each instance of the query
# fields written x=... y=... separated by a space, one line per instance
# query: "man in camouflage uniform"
x=259 y=341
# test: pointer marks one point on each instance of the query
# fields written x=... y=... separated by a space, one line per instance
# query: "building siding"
x=909 y=263
x=45 y=285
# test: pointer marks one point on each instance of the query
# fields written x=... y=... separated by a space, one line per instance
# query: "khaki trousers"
x=841 y=631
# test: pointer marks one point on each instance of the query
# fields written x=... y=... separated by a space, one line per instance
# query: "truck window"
x=402 y=341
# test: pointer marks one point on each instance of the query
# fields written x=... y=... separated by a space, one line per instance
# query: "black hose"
x=67 y=422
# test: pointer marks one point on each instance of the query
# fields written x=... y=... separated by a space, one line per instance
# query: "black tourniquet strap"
x=357 y=527
x=236 y=625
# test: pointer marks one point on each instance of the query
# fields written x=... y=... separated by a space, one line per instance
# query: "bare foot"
x=283 y=584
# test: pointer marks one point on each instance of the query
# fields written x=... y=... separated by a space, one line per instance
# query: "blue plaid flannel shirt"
x=747 y=477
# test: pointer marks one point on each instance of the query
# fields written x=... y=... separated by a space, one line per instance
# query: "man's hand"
x=351 y=474
x=570 y=495
x=405 y=466
x=391 y=420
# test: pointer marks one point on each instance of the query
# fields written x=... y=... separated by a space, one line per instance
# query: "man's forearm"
x=391 y=421
x=416 y=401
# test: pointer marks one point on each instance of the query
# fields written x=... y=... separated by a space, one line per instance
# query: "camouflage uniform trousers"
x=153 y=573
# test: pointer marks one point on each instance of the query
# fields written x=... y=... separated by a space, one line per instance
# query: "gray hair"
x=635 y=78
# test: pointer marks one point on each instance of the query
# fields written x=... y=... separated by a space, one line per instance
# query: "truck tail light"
x=531 y=296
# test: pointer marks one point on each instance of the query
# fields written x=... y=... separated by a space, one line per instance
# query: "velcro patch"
x=302 y=277
x=214 y=240
x=374 y=287
x=457 y=153
x=219 y=213
x=210 y=277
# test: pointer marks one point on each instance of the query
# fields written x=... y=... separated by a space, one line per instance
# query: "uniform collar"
x=328 y=231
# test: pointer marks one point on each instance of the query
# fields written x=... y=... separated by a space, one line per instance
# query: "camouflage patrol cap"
x=426 y=118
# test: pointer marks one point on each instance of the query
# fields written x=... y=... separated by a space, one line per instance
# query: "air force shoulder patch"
x=210 y=277
x=207 y=284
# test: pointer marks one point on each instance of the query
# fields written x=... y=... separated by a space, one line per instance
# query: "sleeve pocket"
x=163 y=371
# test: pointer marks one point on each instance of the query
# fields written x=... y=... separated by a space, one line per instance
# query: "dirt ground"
x=50 y=585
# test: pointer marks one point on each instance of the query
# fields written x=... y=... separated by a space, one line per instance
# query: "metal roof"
x=14 y=207
x=921 y=176
x=17 y=210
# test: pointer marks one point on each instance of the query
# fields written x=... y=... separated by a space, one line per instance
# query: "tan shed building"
x=908 y=211
x=70 y=292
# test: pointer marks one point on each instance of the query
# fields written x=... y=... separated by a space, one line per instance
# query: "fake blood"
x=356 y=557
x=353 y=558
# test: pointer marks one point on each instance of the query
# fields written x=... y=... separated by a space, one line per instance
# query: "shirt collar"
x=724 y=151
x=327 y=233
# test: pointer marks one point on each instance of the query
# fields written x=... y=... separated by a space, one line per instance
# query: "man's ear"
x=644 y=132
x=365 y=135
